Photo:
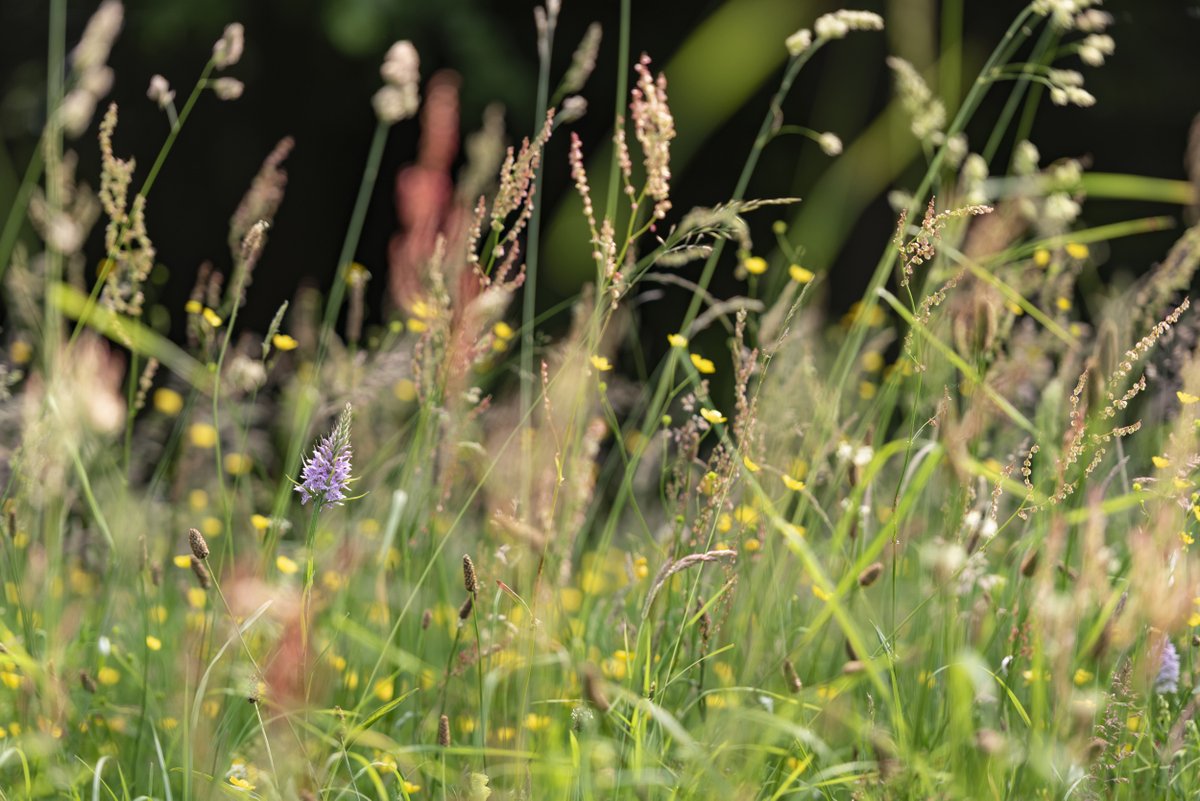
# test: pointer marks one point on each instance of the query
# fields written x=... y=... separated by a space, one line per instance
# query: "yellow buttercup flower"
x=800 y=275
x=167 y=401
x=285 y=565
x=713 y=416
x=702 y=364
x=260 y=522
x=677 y=340
x=1161 y=462
x=237 y=464
x=1041 y=257
x=503 y=330
x=601 y=363
x=1077 y=250
x=193 y=307
x=212 y=318
x=203 y=435
x=755 y=265
x=1186 y=398
x=750 y=464
x=284 y=342
x=794 y=485
x=153 y=643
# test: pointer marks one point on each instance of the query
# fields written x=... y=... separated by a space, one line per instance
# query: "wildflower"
x=831 y=143
x=211 y=317
x=326 y=474
x=601 y=363
x=153 y=643
x=160 y=91
x=928 y=114
x=798 y=42
x=228 y=49
x=228 y=88
x=260 y=522
x=800 y=275
x=285 y=565
x=702 y=364
x=385 y=689
x=1186 y=398
x=750 y=464
x=1167 y=680
x=108 y=676
x=240 y=783
x=503 y=330
x=793 y=484
x=1063 y=303
x=713 y=416
x=284 y=342
x=755 y=265
x=1077 y=250
x=399 y=98
x=1082 y=677
x=839 y=23
x=1161 y=462
x=1094 y=48
x=677 y=340
x=168 y=401
x=237 y=464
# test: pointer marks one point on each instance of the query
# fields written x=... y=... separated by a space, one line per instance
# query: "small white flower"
x=228 y=49
x=1026 y=158
x=830 y=143
x=863 y=455
x=104 y=646
x=160 y=91
x=799 y=41
x=228 y=88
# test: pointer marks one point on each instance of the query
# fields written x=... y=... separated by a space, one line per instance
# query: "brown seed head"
x=870 y=574
x=444 y=731
x=794 y=684
x=593 y=690
x=426 y=619
x=87 y=682
x=197 y=543
x=470 y=580
x=202 y=575
x=464 y=611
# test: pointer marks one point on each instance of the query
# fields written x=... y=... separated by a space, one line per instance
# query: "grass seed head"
x=198 y=544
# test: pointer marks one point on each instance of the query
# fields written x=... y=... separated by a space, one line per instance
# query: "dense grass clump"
x=938 y=547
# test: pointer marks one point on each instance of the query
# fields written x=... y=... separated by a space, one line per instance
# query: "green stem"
x=529 y=295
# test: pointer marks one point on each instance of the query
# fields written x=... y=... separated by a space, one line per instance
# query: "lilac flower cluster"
x=326 y=474
x=1167 y=680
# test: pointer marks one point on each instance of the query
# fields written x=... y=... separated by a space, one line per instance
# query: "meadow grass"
x=935 y=548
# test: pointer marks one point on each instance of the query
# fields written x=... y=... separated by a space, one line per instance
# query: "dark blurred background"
x=311 y=67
